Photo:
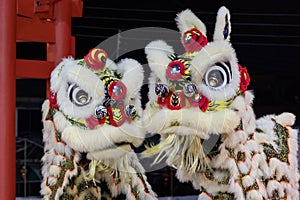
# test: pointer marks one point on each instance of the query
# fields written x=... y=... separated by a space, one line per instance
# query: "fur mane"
x=185 y=153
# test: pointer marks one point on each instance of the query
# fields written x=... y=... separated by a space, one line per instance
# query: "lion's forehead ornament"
x=199 y=104
x=91 y=121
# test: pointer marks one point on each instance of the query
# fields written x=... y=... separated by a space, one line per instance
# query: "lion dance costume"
x=199 y=104
x=91 y=119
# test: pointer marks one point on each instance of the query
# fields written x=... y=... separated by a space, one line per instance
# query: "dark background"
x=265 y=35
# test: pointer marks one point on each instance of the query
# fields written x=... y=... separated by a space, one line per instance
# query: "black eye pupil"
x=215 y=78
x=78 y=96
x=218 y=75
x=81 y=96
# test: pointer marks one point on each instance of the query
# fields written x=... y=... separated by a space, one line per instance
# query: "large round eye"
x=218 y=75
x=78 y=96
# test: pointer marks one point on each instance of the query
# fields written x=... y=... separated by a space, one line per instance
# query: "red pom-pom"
x=245 y=78
x=203 y=104
x=53 y=101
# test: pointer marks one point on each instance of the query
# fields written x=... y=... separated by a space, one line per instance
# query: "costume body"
x=90 y=122
x=199 y=104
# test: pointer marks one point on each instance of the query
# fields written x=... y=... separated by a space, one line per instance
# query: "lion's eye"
x=218 y=75
x=78 y=96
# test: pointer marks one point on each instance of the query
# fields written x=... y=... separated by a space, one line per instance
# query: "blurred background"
x=265 y=36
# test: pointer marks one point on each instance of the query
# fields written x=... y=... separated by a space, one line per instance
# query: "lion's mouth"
x=117 y=145
x=189 y=153
x=116 y=150
x=111 y=152
x=209 y=142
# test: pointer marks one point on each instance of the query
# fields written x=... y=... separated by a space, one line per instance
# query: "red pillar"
x=63 y=14
x=7 y=99
x=63 y=46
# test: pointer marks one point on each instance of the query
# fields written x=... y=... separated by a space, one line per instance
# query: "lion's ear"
x=223 y=25
x=187 y=20
x=158 y=58
x=133 y=76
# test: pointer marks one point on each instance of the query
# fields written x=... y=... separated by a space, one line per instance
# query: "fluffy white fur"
x=293 y=147
x=187 y=20
x=286 y=119
x=224 y=121
x=125 y=169
x=55 y=155
x=248 y=119
x=64 y=140
x=70 y=72
x=266 y=124
x=133 y=76
x=217 y=51
x=111 y=64
x=275 y=185
x=101 y=138
x=254 y=194
x=116 y=152
x=236 y=189
x=183 y=130
x=220 y=24
x=193 y=118
x=157 y=55
x=151 y=85
x=204 y=196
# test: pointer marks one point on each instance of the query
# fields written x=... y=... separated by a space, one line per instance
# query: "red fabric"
x=194 y=103
x=111 y=118
x=92 y=122
x=245 y=78
x=197 y=41
x=176 y=76
x=203 y=104
x=181 y=104
x=53 y=101
x=123 y=89
x=161 y=101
